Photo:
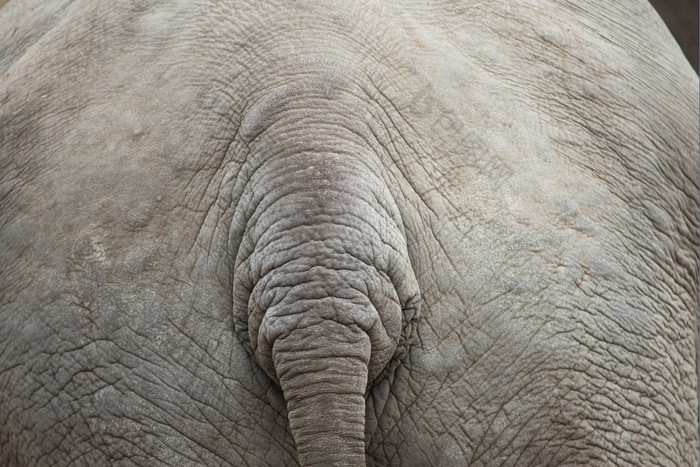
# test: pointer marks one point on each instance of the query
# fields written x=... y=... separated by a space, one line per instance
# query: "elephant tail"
x=324 y=386
x=324 y=292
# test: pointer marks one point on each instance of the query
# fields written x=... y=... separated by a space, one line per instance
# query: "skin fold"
x=353 y=233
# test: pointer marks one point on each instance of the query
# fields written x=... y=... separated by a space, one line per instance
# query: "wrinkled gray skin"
x=436 y=233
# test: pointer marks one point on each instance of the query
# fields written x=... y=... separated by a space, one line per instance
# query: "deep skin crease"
x=285 y=233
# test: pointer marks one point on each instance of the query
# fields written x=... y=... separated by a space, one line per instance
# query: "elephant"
x=347 y=233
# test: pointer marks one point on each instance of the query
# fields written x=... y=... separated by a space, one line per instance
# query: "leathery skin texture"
x=292 y=233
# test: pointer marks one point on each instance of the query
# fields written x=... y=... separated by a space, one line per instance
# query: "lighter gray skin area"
x=491 y=206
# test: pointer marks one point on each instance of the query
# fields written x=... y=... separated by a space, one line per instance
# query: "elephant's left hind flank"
x=281 y=233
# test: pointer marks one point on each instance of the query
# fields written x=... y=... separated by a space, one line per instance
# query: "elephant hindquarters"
x=323 y=287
